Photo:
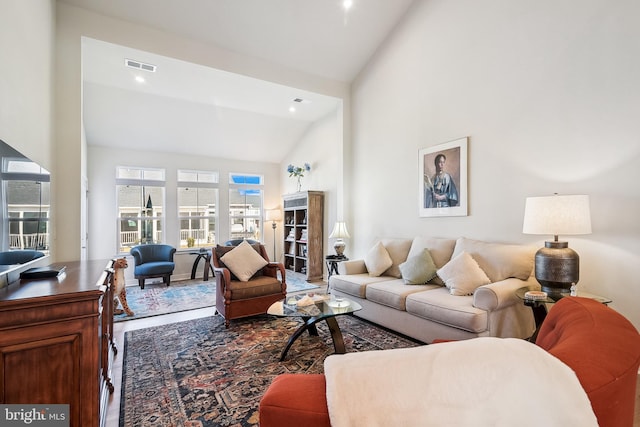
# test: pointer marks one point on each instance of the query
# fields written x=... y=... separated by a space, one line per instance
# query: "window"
x=197 y=201
x=245 y=206
x=140 y=201
x=26 y=186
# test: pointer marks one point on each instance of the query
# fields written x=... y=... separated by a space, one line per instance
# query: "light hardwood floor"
x=119 y=329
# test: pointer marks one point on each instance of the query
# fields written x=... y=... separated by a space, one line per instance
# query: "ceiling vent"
x=140 y=65
x=301 y=101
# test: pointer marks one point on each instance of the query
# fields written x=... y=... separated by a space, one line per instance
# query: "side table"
x=332 y=264
x=539 y=306
x=202 y=254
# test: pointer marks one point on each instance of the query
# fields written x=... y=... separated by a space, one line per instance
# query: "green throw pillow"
x=418 y=269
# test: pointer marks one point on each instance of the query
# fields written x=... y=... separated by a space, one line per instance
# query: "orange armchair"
x=236 y=299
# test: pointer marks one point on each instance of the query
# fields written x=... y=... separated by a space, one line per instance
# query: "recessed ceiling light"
x=347 y=4
x=140 y=79
x=292 y=109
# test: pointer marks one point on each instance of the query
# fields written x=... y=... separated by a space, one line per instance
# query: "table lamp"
x=339 y=232
x=557 y=267
x=273 y=215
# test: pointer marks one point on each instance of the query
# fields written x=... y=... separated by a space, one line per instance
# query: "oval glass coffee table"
x=321 y=308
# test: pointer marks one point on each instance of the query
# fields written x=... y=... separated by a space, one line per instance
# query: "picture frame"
x=442 y=180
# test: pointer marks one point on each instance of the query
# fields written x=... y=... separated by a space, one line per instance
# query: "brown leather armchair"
x=236 y=299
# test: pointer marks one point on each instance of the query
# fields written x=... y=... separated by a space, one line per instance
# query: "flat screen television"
x=25 y=189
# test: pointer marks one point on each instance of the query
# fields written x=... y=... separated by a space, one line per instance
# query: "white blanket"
x=476 y=382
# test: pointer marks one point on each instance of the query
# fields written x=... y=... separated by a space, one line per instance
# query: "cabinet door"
x=51 y=364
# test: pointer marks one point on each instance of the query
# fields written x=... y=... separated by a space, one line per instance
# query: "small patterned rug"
x=156 y=298
x=199 y=374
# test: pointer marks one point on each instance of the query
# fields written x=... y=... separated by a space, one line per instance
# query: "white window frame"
x=142 y=216
x=203 y=179
x=240 y=213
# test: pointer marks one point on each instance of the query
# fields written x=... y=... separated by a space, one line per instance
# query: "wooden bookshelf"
x=303 y=227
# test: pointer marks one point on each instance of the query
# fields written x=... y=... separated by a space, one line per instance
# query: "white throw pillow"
x=462 y=275
x=377 y=260
x=419 y=269
x=243 y=261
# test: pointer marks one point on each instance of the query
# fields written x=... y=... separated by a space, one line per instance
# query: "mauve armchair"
x=153 y=260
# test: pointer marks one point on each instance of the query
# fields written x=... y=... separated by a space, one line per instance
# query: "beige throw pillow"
x=398 y=250
x=462 y=275
x=419 y=269
x=441 y=250
x=243 y=261
x=377 y=260
x=499 y=261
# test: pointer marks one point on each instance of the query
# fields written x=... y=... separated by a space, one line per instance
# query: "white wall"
x=321 y=146
x=26 y=77
x=547 y=92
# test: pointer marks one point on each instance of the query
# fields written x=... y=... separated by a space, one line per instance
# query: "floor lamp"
x=274 y=215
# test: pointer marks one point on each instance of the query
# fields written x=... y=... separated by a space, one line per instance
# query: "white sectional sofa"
x=431 y=310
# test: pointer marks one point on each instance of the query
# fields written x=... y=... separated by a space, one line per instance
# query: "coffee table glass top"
x=319 y=306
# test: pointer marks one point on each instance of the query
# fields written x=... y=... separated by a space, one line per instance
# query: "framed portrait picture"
x=442 y=180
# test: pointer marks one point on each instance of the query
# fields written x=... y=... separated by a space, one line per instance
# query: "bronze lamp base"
x=557 y=268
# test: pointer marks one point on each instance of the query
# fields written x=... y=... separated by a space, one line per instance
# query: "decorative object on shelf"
x=273 y=215
x=298 y=172
x=339 y=232
x=557 y=267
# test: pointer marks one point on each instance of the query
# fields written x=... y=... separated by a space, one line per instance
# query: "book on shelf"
x=292 y=250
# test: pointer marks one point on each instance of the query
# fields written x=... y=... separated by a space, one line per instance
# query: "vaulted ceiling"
x=182 y=107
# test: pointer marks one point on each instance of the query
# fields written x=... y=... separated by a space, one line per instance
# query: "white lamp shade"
x=273 y=215
x=340 y=231
x=555 y=215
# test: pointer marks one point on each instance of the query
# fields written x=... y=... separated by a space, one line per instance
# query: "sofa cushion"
x=377 y=260
x=441 y=307
x=355 y=284
x=419 y=269
x=154 y=268
x=393 y=293
x=462 y=275
x=440 y=250
x=243 y=261
x=257 y=287
x=499 y=261
x=398 y=250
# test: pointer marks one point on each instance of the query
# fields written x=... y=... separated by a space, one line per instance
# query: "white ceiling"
x=184 y=107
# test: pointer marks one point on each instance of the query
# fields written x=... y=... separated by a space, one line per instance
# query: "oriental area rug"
x=197 y=373
x=156 y=298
